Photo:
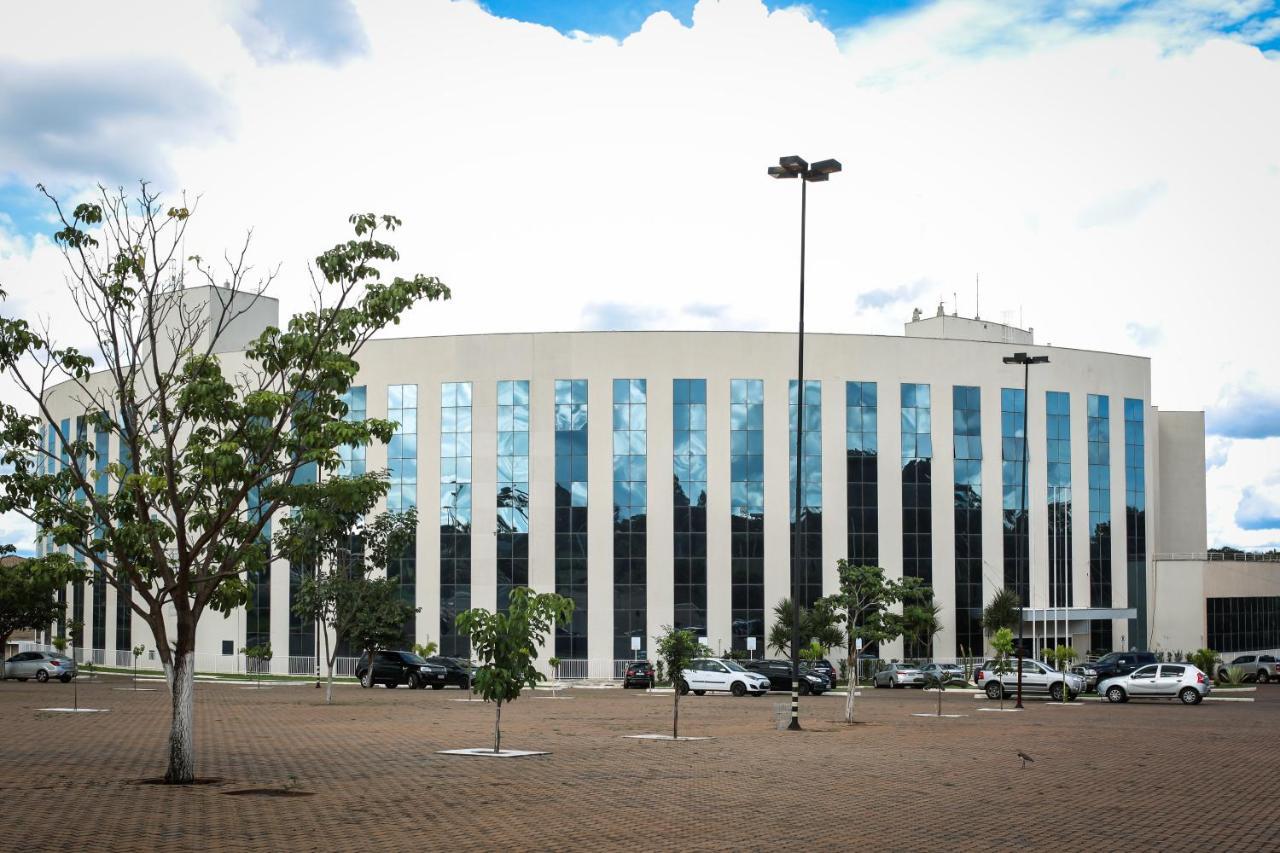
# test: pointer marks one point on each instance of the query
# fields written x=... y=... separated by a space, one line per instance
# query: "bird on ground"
x=1025 y=758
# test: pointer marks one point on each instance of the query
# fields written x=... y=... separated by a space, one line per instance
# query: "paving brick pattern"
x=1133 y=777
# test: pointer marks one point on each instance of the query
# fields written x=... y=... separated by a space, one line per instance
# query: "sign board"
x=635 y=644
x=751 y=644
x=859 y=643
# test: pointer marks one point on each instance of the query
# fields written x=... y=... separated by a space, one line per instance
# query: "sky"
x=1110 y=169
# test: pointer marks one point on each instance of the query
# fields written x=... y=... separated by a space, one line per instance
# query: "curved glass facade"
x=689 y=503
x=630 y=512
x=806 y=533
x=571 y=513
x=513 y=488
x=455 y=514
x=1099 y=427
x=402 y=494
x=1013 y=455
x=862 y=451
x=1058 y=456
x=746 y=507
x=966 y=415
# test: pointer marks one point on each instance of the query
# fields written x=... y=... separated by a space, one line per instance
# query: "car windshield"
x=410 y=657
x=733 y=665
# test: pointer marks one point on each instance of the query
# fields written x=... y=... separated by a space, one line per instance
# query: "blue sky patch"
x=621 y=18
x=23 y=210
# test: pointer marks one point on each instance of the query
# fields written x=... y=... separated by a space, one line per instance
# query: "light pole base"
x=795 y=713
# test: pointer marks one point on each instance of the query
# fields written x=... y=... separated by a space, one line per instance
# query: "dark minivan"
x=391 y=669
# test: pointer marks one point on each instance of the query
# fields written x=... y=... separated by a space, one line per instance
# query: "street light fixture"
x=796 y=167
x=1026 y=361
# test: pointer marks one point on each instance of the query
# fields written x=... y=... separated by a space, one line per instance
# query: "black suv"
x=825 y=669
x=779 y=674
x=1116 y=663
x=456 y=671
x=391 y=669
x=639 y=674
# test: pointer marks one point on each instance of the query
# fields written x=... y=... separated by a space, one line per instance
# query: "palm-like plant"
x=1001 y=612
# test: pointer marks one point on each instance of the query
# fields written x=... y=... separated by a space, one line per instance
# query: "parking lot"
x=364 y=773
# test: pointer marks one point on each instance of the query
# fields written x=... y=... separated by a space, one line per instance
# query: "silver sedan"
x=899 y=675
x=41 y=666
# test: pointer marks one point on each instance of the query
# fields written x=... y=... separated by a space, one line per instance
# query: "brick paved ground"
x=1155 y=776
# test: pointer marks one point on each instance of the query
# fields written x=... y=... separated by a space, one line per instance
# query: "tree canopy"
x=210 y=446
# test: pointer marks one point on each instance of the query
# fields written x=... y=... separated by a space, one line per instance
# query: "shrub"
x=1235 y=675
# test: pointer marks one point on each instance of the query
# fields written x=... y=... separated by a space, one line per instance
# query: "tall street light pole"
x=1026 y=361
x=795 y=167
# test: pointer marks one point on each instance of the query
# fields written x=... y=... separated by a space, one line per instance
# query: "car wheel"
x=415 y=683
x=1055 y=692
x=1190 y=696
x=42 y=676
x=65 y=679
x=994 y=690
x=804 y=688
x=683 y=687
x=699 y=693
x=738 y=689
x=1115 y=694
x=366 y=680
x=1263 y=678
x=437 y=687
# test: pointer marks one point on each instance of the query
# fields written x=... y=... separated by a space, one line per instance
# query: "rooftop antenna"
x=955 y=304
x=977 y=293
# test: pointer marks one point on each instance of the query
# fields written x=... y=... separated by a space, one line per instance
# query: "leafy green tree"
x=28 y=593
x=137 y=653
x=863 y=604
x=426 y=650
x=677 y=648
x=209 y=451
x=820 y=622
x=1001 y=612
x=554 y=663
x=332 y=535
x=1062 y=658
x=378 y=618
x=261 y=656
x=1002 y=642
x=507 y=645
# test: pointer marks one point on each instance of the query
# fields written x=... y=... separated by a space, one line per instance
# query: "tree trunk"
x=182 y=753
x=497 y=729
x=328 y=687
x=675 y=718
x=853 y=687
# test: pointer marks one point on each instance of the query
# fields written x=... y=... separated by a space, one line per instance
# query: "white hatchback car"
x=706 y=674
x=1181 y=681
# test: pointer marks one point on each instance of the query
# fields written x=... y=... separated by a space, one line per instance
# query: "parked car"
x=1036 y=679
x=824 y=667
x=391 y=669
x=1259 y=668
x=1181 y=681
x=706 y=674
x=899 y=675
x=1115 y=663
x=944 y=673
x=41 y=666
x=778 y=672
x=456 y=671
x=639 y=673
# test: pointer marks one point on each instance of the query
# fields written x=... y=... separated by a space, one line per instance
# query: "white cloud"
x=1095 y=177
